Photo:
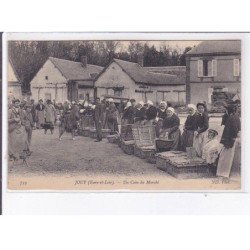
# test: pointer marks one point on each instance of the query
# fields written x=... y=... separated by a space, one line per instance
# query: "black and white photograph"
x=145 y=115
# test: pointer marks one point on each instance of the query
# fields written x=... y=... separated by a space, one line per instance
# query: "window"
x=236 y=67
x=46 y=78
x=207 y=68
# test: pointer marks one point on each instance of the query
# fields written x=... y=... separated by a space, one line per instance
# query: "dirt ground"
x=84 y=158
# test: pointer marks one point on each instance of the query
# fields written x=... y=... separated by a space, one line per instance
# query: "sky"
x=179 y=45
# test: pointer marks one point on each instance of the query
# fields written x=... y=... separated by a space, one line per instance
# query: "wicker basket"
x=113 y=138
x=163 y=144
x=128 y=147
x=181 y=167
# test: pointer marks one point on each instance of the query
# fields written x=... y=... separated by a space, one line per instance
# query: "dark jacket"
x=190 y=123
x=151 y=113
x=231 y=129
x=40 y=108
x=201 y=122
x=171 y=124
x=129 y=114
x=140 y=114
x=161 y=114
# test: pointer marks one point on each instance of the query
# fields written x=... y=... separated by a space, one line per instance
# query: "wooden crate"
x=128 y=147
x=144 y=135
x=180 y=166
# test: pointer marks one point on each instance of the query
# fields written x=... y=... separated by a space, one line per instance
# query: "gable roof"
x=74 y=70
x=222 y=47
x=14 y=70
x=142 y=75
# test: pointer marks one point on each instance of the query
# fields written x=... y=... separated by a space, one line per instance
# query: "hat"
x=191 y=106
x=82 y=110
x=213 y=131
x=171 y=109
x=111 y=100
x=150 y=103
x=163 y=102
x=141 y=102
x=85 y=105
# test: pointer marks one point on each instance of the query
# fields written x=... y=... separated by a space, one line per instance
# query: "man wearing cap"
x=27 y=121
x=150 y=113
x=98 y=117
x=112 y=116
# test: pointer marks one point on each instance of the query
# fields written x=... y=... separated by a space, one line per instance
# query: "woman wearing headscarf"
x=189 y=128
x=140 y=113
x=201 y=127
x=161 y=115
x=170 y=129
x=151 y=113
x=228 y=140
x=212 y=147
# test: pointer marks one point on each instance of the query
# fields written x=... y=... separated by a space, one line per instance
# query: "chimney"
x=140 y=59
x=84 y=61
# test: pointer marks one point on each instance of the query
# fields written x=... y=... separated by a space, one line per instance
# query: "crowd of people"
x=106 y=114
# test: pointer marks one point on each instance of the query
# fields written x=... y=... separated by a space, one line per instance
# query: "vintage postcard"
x=122 y=114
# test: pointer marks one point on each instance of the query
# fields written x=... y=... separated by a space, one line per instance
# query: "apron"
x=199 y=142
x=225 y=161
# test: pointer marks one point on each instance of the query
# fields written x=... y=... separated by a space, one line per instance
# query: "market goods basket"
x=180 y=166
x=128 y=146
x=163 y=145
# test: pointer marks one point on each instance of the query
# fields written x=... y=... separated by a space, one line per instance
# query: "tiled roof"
x=179 y=71
x=74 y=70
x=217 y=47
x=142 y=75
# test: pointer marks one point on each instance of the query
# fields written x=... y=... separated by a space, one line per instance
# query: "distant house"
x=213 y=71
x=14 y=83
x=61 y=79
x=124 y=80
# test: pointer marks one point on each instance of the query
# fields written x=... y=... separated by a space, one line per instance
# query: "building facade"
x=14 y=84
x=62 y=80
x=126 y=80
x=213 y=72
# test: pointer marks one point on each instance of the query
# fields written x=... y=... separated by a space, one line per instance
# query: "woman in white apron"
x=201 y=124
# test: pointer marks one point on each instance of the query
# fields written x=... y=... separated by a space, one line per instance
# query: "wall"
x=84 y=92
x=41 y=87
x=114 y=76
x=198 y=87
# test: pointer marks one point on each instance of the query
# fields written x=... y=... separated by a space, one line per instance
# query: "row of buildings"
x=212 y=70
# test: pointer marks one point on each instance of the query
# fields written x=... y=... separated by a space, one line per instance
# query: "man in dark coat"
x=98 y=117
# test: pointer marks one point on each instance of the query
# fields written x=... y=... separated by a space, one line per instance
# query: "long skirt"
x=225 y=161
x=158 y=127
x=187 y=139
x=18 y=142
x=40 y=119
x=199 y=142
